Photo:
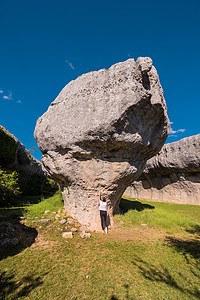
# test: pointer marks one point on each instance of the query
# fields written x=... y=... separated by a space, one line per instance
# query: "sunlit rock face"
x=173 y=175
x=99 y=132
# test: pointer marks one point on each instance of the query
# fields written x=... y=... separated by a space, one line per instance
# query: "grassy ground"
x=153 y=253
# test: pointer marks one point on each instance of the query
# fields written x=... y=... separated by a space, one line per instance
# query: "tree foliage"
x=9 y=187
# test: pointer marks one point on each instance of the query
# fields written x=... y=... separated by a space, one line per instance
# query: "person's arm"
x=99 y=196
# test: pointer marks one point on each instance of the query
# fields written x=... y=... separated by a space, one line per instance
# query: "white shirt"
x=102 y=205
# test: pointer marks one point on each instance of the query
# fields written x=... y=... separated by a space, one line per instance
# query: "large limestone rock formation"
x=173 y=175
x=99 y=132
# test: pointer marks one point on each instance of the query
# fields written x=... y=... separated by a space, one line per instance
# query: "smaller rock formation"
x=173 y=175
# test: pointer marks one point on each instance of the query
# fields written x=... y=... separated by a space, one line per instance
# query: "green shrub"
x=8 y=148
x=9 y=187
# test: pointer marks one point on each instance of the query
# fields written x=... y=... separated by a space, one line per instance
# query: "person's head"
x=103 y=198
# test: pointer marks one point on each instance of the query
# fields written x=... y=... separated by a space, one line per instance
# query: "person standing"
x=103 y=212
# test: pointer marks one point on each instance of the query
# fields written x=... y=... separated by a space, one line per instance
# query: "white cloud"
x=170 y=135
x=172 y=132
x=8 y=97
x=70 y=64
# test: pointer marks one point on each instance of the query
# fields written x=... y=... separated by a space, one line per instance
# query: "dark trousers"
x=103 y=215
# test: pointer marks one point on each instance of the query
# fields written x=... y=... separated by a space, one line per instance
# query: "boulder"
x=98 y=134
x=67 y=235
x=85 y=235
x=173 y=175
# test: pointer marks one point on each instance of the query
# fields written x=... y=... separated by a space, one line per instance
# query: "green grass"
x=53 y=204
x=163 y=216
x=113 y=266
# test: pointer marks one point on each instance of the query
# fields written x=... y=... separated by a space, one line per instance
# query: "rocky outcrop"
x=14 y=156
x=30 y=177
x=173 y=175
x=99 y=132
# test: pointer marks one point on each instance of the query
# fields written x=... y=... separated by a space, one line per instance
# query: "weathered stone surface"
x=23 y=162
x=173 y=175
x=99 y=132
x=67 y=235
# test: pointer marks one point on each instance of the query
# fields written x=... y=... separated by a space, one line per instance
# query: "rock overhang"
x=106 y=123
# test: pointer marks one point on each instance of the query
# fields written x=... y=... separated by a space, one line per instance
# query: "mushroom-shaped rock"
x=99 y=132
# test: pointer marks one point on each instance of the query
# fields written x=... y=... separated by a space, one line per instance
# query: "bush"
x=9 y=187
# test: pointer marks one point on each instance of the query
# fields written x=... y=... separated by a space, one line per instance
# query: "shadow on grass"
x=162 y=274
x=195 y=230
x=126 y=296
x=191 y=246
x=21 y=201
x=191 y=251
x=126 y=205
x=11 y=229
x=11 y=213
x=17 y=288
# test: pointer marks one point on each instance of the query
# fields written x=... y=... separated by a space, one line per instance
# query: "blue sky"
x=46 y=44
